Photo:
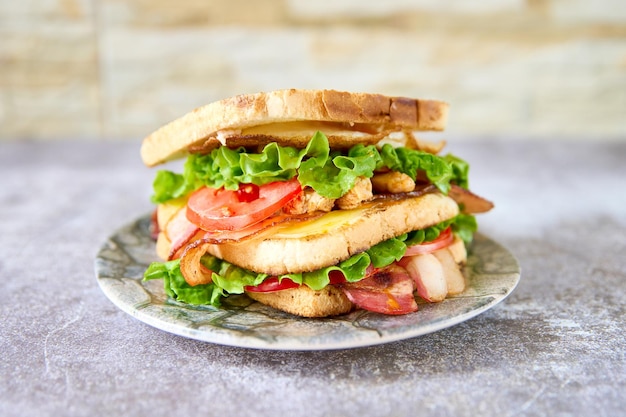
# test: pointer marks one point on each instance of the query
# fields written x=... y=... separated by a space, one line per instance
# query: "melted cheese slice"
x=328 y=223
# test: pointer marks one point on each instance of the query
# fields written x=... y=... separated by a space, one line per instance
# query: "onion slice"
x=428 y=274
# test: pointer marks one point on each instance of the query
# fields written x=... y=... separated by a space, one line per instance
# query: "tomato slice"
x=248 y=192
x=444 y=239
x=272 y=284
x=337 y=277
x=219 y=209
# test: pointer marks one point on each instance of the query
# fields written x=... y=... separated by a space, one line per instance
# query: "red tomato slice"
x=272 y=284
x=248 y=192
x=220 y=209
x=444 y=239
x=337 y=277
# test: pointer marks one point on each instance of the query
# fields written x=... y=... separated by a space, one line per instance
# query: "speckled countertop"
x=555 y=347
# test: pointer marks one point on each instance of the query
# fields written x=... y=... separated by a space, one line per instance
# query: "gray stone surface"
x=555 y=347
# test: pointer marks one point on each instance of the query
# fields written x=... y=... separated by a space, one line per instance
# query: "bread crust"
x=305 y=302
x=208 y=125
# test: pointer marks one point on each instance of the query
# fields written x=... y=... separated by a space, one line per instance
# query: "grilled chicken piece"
x=309 y=202
x=362 y=191
x=392 y=182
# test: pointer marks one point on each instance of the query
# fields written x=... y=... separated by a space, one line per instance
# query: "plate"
x=491 y=270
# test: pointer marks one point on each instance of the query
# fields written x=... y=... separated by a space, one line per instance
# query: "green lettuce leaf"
x=460 y=170
x=336 y=174
x=331 y=174
x=426 y=235
x=177 y=288
x=387 y=252
x=232 y=279
x=352 y=268
x=167 y=186
x=464 y=227
x=409 y=162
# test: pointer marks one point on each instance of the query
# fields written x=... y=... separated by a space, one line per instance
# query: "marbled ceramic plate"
x=492 y=274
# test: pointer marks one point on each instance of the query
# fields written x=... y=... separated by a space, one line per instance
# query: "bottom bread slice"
x=305 y=302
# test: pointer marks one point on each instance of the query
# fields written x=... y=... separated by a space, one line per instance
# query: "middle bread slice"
x=335 y=236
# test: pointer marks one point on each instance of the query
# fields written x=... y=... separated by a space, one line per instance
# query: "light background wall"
x=117 y=69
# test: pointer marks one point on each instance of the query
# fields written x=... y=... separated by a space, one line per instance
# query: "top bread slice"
x=290 y=117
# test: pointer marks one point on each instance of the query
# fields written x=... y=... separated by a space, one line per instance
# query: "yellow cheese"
x=327 y=223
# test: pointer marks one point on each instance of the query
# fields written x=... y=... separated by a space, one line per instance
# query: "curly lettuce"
x=329 y=173
x=177 y=288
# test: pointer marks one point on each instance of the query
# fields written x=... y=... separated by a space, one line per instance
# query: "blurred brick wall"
x=119 y=69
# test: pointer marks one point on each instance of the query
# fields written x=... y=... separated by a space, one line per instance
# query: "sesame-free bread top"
x=290 y=117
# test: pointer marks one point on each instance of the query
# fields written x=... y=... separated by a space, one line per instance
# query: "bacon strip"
x=217 y=237
x=469 y=202
x=387 y=291
x=180 y=231
x=191 y=268
x=190 y=253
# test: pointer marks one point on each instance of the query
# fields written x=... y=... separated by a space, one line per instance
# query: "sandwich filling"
x=228 y=196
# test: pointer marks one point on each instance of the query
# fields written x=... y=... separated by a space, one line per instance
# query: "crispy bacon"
x=469 y=202
x=387 y=291
x=193 y=271
x=420 y=189
x=154 y=225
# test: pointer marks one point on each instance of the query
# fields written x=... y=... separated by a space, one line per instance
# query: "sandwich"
x=313 y=202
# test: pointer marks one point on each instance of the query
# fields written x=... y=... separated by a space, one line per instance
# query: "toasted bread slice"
x=335 y=236
x=305 y=302
x=290 y=117
x=331 y=238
